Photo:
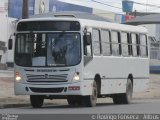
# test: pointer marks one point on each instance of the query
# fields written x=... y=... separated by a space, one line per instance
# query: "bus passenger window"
x=134 y=44
x=106 y=47
x=143 y=45
x=115 y=43
x=125 y=46
x=96 y=42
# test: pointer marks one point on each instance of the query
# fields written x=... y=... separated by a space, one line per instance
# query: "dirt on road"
x=153 y=91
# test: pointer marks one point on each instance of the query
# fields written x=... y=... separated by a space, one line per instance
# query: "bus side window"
x=105 y=39
x=116 y=50
x=134 y=44
x=129 y=44
x=124 y=42
x=96 y=42
x=143 y=45
x=138 y=45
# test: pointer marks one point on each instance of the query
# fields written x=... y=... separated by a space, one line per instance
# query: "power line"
x=106 y=4
x=143 y=4
x=148 y=5
x=101 y=2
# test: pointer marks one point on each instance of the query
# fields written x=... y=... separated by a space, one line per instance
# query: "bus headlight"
x=76 y=77
x=18 y=77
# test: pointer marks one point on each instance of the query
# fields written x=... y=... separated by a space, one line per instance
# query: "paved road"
x=138 y=106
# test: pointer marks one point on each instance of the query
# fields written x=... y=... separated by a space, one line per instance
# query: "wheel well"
x=130 y=76
x=97 y=78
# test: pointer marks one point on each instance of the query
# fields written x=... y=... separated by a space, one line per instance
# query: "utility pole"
x=25 y=9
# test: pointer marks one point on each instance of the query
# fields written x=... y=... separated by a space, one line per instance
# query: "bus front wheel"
x=36 y=101
x=74 y=100
x=124 y=98
x=90 y=101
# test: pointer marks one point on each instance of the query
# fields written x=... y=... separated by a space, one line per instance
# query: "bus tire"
x=91 y=100
x=36 y=101
x=74 y=100
x=116 y=99
x=124 y=98
x=129 y=91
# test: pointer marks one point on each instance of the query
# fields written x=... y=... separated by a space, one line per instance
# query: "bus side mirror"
x=10 y=44
x=87 y=44
x=87 y=39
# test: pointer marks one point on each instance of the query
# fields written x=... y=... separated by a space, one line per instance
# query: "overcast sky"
x=117 y=3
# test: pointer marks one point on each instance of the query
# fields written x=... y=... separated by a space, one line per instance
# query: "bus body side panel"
x=114 y=72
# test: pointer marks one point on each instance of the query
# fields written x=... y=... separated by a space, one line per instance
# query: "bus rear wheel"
x=36 y=101
x=124 y=98
x=91 y=100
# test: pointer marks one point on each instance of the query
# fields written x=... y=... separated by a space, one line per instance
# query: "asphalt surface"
x=136 y=107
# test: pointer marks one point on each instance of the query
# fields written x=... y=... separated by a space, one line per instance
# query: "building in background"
x=11 y=10
x=42 y=6
x=3 y=33
x=105 y=14
x=152 y=23
x=15 y=8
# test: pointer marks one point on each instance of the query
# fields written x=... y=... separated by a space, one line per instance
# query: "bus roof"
x=113 y=26
x=72 y=14
x=86 y=19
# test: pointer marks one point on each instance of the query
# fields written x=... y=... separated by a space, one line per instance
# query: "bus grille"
x=47 y=90
x=47 y=78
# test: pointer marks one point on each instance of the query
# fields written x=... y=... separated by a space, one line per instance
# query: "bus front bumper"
x=77 y=88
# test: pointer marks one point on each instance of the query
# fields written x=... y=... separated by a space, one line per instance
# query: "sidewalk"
x=6 y=73
x=8 y=99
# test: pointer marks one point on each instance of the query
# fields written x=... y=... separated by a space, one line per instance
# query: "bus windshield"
x=47 y=49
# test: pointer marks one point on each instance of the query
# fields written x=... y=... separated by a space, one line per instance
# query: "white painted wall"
x=3 y=35
x=3 y=27
x=11 y=29
x=7 y=27
x=105 y=14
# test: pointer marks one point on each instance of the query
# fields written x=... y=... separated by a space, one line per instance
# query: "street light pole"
x=25 y=9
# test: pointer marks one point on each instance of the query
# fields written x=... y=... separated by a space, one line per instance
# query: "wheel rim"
x=129 y=92
x=94 y=93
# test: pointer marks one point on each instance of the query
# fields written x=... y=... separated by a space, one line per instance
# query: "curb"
x=14 y=105
x=19 y=105
x=156 y=98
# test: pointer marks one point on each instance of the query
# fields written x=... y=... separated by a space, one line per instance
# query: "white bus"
x=79 y=57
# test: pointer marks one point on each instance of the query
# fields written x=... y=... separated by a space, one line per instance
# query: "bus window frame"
x=128 y=44
x=100 y=49
x=119 y=42
x=146 y=45
x=137 y=44
x=110 y=44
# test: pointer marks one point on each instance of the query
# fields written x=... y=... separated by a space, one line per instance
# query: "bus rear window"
x=48 y=26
